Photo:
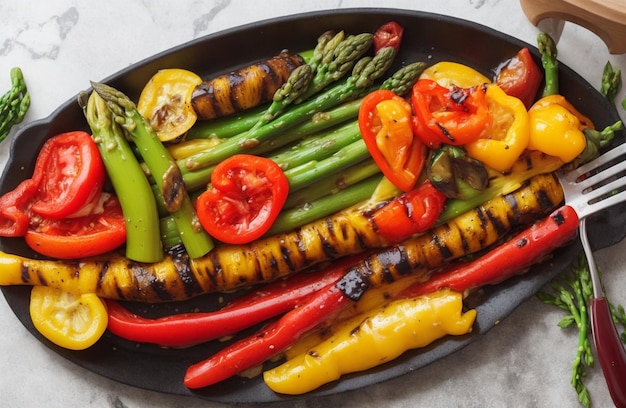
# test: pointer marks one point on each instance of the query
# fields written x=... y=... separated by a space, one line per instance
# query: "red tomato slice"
x=70 y=172
x=521 y=77
x=385 y=125
x=73 y=238
x=245 y=197
x=388 y=35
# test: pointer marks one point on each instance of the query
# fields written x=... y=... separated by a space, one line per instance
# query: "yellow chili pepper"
x=556 y=128
x=506 y=136
x=447 y=73
x=373 y=338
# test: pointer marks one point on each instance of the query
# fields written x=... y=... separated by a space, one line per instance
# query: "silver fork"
x=588 y=189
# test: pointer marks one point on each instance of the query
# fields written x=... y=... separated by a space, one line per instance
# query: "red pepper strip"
x=270 y=341
x=506 y=260
x=187 y=329
x=14 y=209
x=410 y=213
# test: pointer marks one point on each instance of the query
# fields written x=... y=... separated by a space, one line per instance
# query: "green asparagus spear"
x=332 y=185
x=342 y=60
x=313 y=170
x=611 y=82
x=352 y=88
x=547 y=48
x=325 y=48
x=228 y=126
x=128 y=180
x=316 y=147
x=324 y=206
x=13 y=104
x=163 y=169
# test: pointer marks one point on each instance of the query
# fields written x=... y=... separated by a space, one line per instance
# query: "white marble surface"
x=62 y=44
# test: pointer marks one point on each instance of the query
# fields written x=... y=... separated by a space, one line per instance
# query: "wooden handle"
x=606 y=18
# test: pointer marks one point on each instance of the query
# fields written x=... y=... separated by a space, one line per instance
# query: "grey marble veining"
x=525 y=361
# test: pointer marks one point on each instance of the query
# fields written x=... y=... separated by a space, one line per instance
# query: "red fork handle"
x=609 y=349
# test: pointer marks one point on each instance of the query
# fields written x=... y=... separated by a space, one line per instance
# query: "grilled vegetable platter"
x=426 y=38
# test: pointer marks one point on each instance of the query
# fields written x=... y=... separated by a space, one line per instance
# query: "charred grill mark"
x=102 y=272
x=498 y=224
x=25 y=273
x=443 y=249
x=191 y=286
x=558 y=218
x=173 y=190
x=286 y=252
x=161 y=289
x=543 y=197
x=522 y=243
x=353 y=284
x=41 y=278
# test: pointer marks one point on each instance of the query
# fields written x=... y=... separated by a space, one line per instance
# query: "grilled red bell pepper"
x=506 y=260
x=385 y=125
x=388 y=35
x=71 y=238
x=410 y=213
x=453 y=115
x=187 y=329
x=270 y=341
x=520 y=77
x=245 y=196
x=15 y=209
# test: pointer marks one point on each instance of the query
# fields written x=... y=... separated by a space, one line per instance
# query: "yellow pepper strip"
x=373 y=298
x=508 y=134
x=449 y=74
x=373 y=338
x=69 y=321
x=556 y=128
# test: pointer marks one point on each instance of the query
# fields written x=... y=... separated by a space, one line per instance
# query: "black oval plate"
x=427 y=37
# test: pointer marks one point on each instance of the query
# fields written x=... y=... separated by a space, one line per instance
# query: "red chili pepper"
x=410 y=213
x=385 y=125
x=187 y=329
x=521 y=77
x=15 y=209
x=506 y=260
x=454 y=116
x=270 y=341
x=80 y=237
x=246 y=195
x=70 y=173
x=388 y=35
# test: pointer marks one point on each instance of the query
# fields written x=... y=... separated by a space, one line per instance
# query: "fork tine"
x=602 y=204
x=606 y=189
x=605 y=174
x=603 y=159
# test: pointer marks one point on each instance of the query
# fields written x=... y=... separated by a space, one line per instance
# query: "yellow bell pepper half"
x=447 y=74
x=371 y=339
x=506 y=136
x=165 y=102
x=556 y=128
x=69 y=321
